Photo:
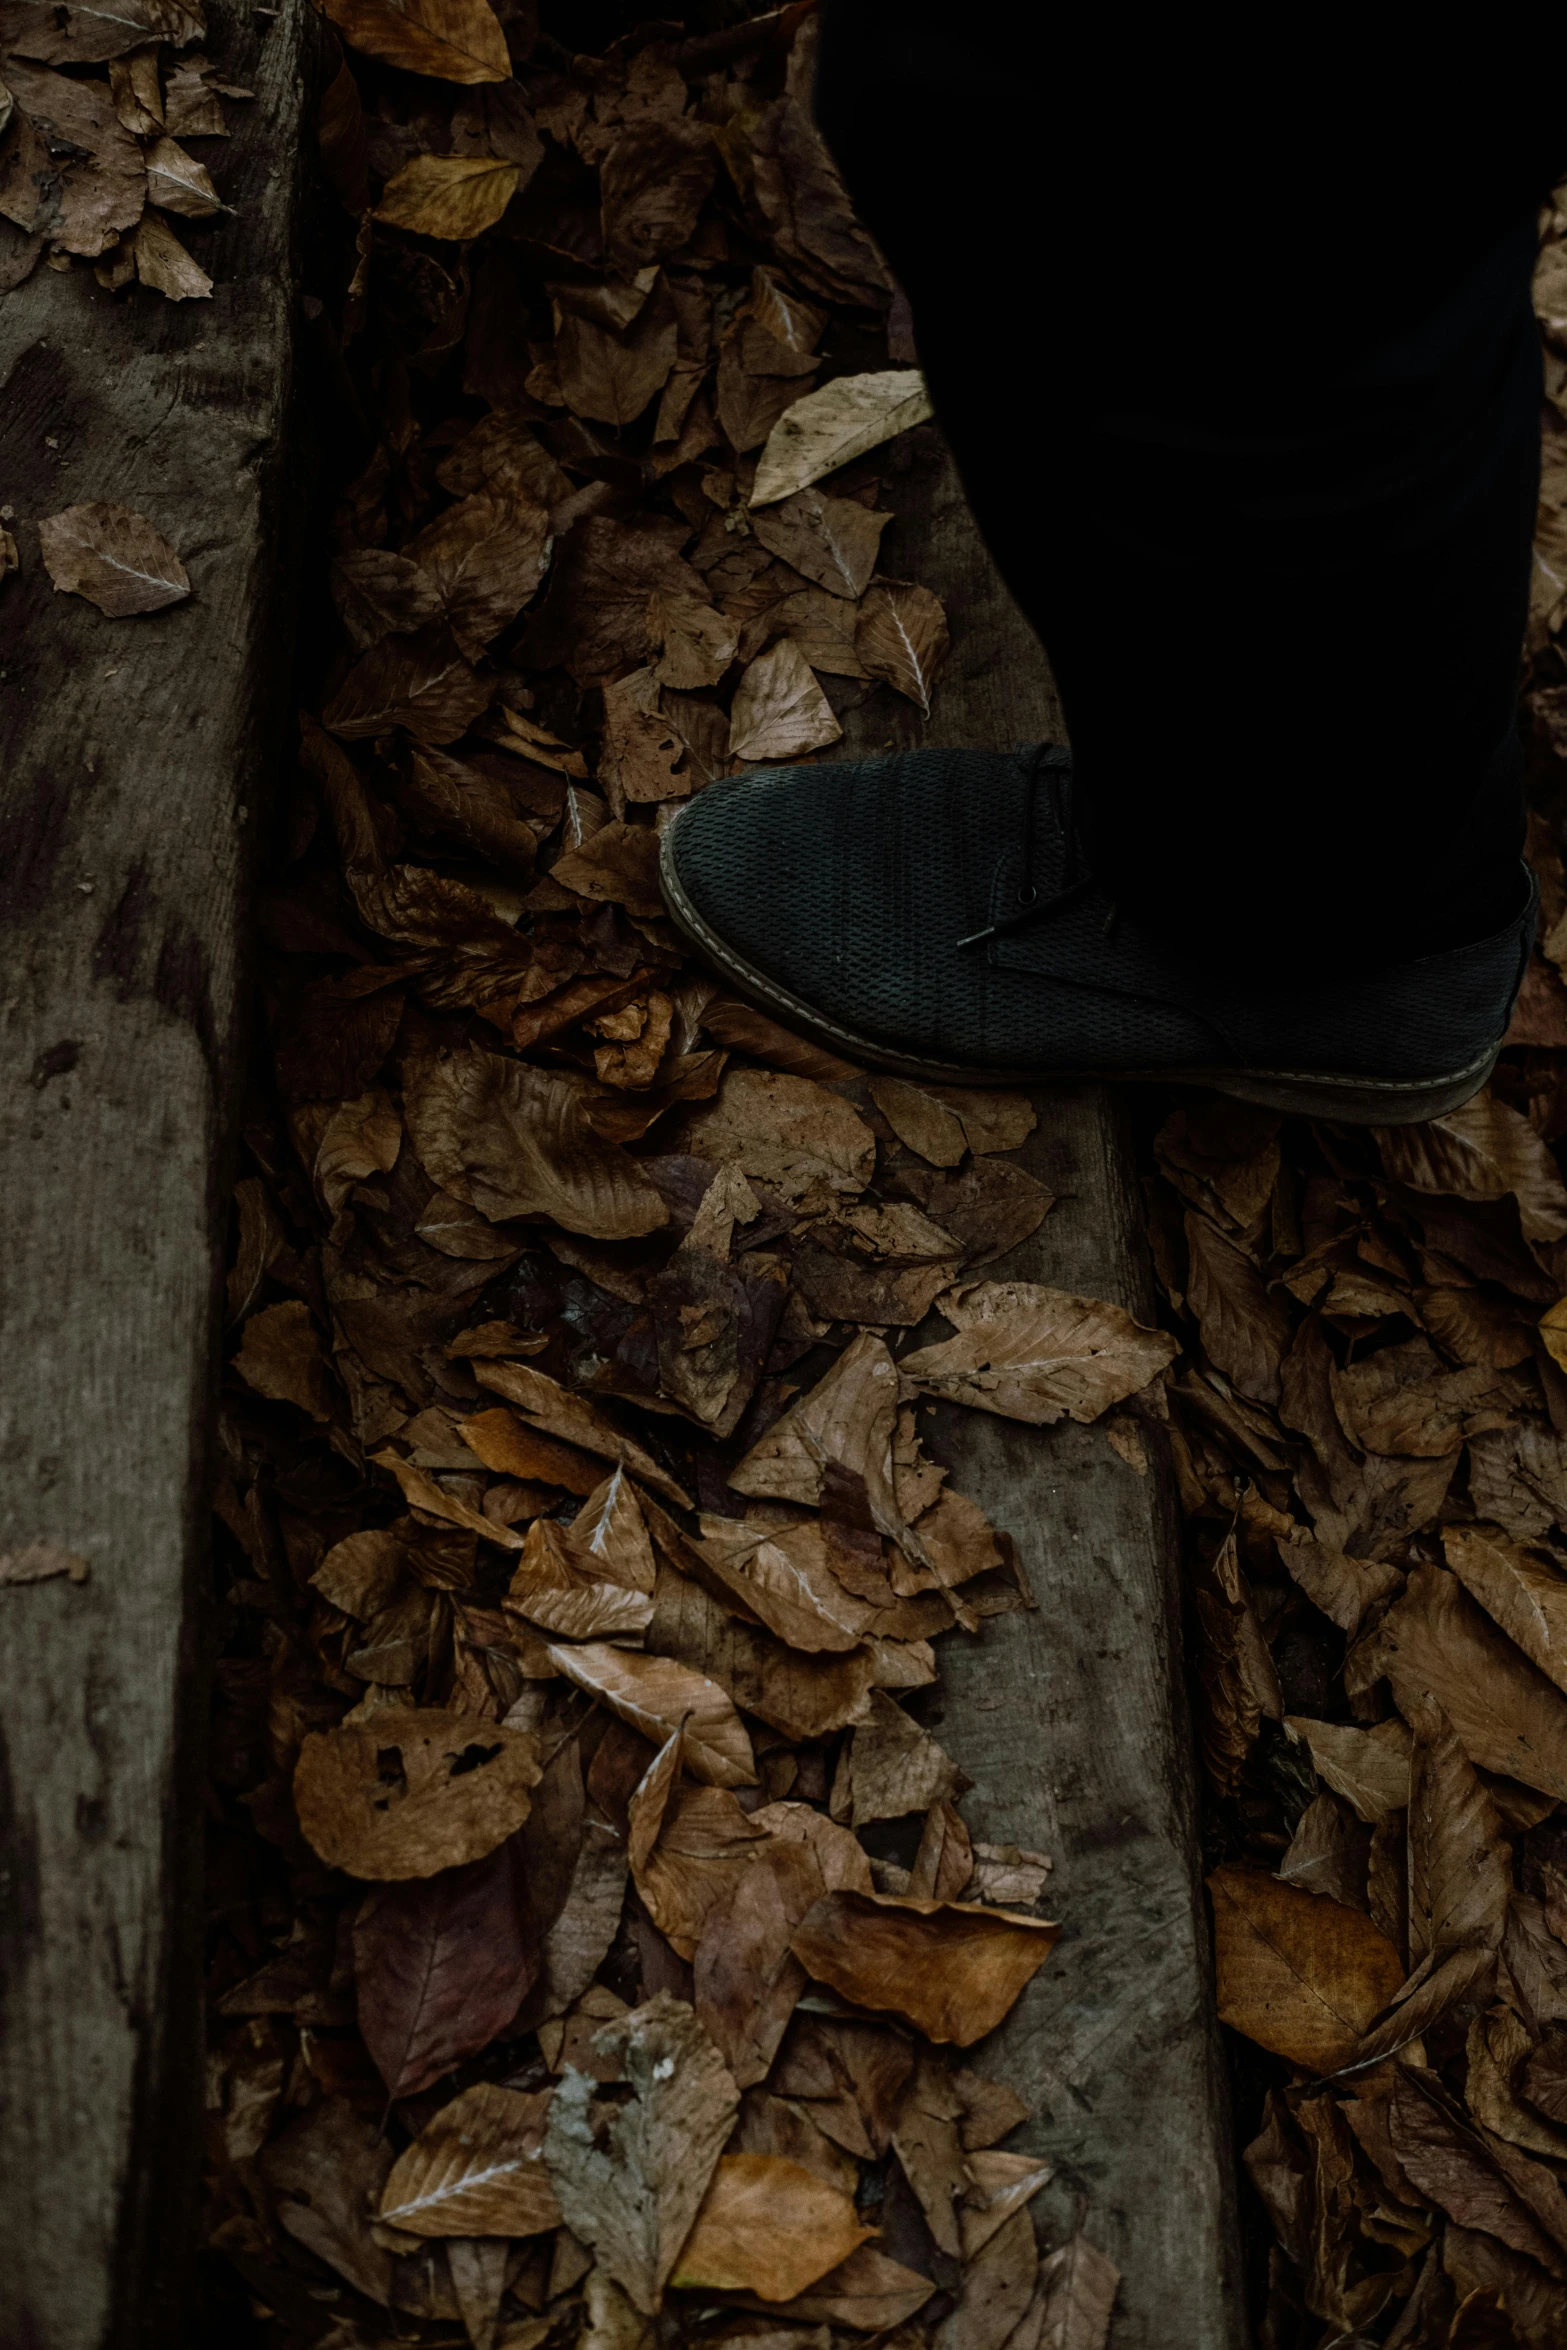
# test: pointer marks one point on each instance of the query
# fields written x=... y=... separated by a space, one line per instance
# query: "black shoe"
x=930 y=914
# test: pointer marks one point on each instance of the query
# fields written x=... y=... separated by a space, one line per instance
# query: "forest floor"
x=596 y=1934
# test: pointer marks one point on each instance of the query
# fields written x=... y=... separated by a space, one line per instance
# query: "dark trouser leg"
x=1257 y=455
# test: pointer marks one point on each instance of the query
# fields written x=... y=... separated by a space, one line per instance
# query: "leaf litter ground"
x=597 y=1936
x=598 y=1939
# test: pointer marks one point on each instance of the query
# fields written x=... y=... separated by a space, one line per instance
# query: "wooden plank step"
x=1072 y=1721
x=132 y=769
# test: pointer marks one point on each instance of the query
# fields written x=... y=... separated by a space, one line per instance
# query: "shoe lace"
x=1050 y=768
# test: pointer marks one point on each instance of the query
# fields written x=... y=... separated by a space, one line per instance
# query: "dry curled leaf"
x=656 y=1695
x=412 y=1790
x=1036 y=1354
x=846 y=419
x=515 y=1141
x=117 y=559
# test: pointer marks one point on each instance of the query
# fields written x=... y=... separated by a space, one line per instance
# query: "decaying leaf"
x=117 y=559
x=1506 y=1715
x=1484 y=1150
x=555 y=1411
x=631 y=2176
x=176 y=182
x=412 y=1790
x=162 y=262
x=1518 y=1589
x=281 y=1357
x=788 y=1132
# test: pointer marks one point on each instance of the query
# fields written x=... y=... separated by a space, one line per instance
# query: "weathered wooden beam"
x=1072 y=1720
x=131 y=778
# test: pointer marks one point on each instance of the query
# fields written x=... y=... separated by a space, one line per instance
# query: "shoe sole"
x=1354 y=1101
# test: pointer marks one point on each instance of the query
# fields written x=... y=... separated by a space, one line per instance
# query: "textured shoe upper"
x=849 y=886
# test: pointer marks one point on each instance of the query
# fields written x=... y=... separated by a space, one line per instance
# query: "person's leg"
x=1244 y=390
x=1248 y=417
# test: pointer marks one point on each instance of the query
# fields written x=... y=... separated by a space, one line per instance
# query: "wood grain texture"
x=1072 y=1720
x=132 y=758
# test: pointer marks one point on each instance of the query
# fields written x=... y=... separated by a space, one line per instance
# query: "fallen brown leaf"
x=654 y=182
x=996 y=2292
x=1297 y=1973
x=176 y=182
x=412 y=1790
x=280 y=1357
x=901 y=635
x=485 y=557
x=1036 y=1354
x=453 y=40
x=693 y=643
x=656 y=1695
x=846 y=419
x=456 y=196
x=746 y=1980
x=113 y=557
x=514 y=1141
x=1507 y=1716
x=441 y=1965
x=555 y=1411
x=767 y=2227
x=779 y=710
x=422 y=681
x=476 y=2170
x=951 y=1969
x=1518 y=1589
x=641 y=747
x=788 y=1132
x=1369 y=1768
x=1074 y=2300
x=162 y=262
x=890 y=1767
x=1485 y=1150
x=1460 y=1873
x=1245 y=1326
x=832 y=541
